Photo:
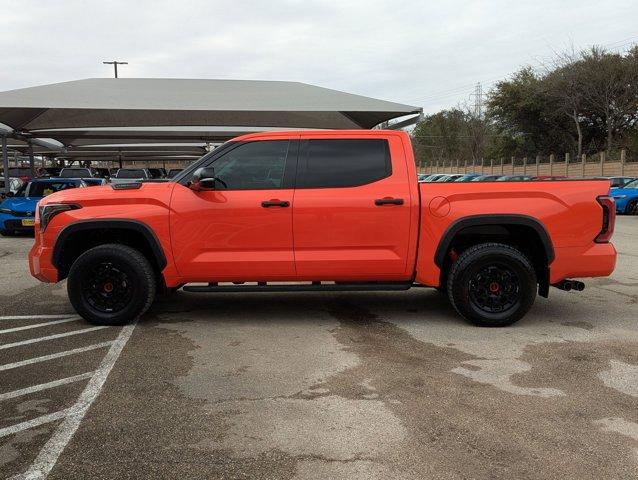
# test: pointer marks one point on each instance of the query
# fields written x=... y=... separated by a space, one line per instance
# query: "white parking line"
x=36 y=422
x=45 y=386
x=52 y=356
x=49 y=454
x=37 y=325
x=49 y=337
x=40 y=317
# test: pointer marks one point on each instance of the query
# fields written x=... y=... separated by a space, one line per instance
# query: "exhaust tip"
x=568 y=285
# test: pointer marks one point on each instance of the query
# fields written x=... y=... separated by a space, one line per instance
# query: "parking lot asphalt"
x=320 y=385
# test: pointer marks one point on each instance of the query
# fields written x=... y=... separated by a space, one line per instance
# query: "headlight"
x=620 y=196
x=6 y=210
x=47 y=212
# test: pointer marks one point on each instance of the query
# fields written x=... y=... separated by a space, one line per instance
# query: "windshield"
x=42 y=189
x=75 y=173
x=632 y=184
x=130 y=174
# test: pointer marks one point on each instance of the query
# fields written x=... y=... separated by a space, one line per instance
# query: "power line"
x=457 y=91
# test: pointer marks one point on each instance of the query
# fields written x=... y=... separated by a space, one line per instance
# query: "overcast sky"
x=424 y=53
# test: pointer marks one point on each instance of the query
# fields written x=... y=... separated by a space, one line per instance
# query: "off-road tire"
x=134 y=276
x=467 y=271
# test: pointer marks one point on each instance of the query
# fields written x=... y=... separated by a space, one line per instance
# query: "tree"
x=610 y=90
x=521 y=109
x=581 y=103
x=438 y=136
x=564 y=86
x=449 y=135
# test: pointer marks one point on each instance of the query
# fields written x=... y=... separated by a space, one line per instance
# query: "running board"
x=296 y=287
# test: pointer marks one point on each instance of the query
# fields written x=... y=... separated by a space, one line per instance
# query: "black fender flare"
x=120 y=224
x=492 y=219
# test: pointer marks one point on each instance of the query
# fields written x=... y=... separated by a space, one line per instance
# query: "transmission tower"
x=478 y=100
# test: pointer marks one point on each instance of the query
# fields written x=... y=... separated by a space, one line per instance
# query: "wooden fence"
x=585 y=167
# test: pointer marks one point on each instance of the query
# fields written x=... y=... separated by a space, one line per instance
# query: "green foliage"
x=582 y=104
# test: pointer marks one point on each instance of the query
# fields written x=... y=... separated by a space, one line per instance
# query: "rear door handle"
x=275 y=203
x=379 y=202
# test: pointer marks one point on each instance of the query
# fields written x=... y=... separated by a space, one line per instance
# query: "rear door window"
x=339 y=163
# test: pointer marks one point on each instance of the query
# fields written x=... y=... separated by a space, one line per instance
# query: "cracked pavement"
x=346 y=386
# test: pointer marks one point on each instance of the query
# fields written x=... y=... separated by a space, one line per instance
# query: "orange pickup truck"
x=322 y=210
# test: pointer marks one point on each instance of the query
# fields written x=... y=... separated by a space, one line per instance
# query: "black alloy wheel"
x=492 y=284
x=111 y=284
x=495 y=289
x=109 y=289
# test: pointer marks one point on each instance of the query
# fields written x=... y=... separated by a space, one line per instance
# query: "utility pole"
x=115 y=63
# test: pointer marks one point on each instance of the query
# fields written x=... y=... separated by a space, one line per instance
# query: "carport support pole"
x=31 y=159
x=5 y=164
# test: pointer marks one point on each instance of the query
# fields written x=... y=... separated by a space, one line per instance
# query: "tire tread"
x=470 y=255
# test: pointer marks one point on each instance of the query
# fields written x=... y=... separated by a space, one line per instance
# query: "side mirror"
x=203 y=179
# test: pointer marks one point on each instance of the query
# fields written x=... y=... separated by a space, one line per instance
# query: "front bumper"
x=16 y=225
x=40 y=264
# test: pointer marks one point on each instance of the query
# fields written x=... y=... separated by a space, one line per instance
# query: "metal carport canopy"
x=126 y=102
x=79 y=137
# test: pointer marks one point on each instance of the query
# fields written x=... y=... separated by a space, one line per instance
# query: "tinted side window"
x=253 y=166
x=345 y=163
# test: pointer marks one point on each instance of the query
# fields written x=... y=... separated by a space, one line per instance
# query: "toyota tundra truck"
x=322 y=211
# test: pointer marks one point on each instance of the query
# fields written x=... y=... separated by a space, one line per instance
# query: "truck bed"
x=567 y=209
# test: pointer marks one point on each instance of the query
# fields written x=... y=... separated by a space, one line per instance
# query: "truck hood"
x=106 y=195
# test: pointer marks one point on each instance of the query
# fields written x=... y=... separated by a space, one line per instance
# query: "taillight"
x=609 y=219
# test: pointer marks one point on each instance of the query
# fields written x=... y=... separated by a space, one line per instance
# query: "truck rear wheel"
x=492 y=285
x=111 y=284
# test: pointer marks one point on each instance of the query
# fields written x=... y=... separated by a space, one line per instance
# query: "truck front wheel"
x=492 y=284
x=111 y=284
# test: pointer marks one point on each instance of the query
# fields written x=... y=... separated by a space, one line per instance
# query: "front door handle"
x=379 y=202
x=275 y=203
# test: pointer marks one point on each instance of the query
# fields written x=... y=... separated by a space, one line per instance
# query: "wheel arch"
x=519 y=228
x=78 y=237
x=630 y=207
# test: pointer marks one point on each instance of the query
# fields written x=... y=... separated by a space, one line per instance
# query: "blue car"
x=17 y=213
x=626 y=198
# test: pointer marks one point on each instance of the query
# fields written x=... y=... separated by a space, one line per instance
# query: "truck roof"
x=318 y=133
